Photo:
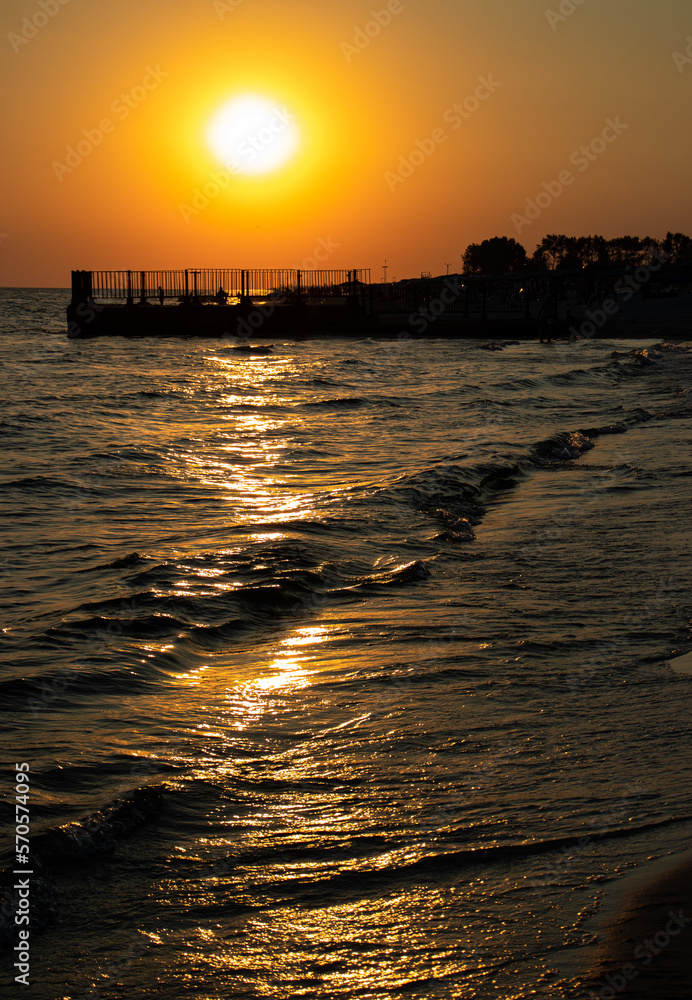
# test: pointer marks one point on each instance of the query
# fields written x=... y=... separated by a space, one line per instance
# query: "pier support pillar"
x=81 y=287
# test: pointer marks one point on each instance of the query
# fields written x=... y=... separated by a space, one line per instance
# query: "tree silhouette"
x=678 y=247
x=624 y=250
x=556 y=251
x=593 y=250
x=495 y=256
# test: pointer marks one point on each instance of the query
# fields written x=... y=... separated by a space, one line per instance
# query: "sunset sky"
x=349 y=137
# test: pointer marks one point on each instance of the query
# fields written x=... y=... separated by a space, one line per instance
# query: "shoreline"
x=647 y=949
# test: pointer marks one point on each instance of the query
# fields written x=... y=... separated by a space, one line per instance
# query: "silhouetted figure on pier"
x=161 y=295
x=221 y=297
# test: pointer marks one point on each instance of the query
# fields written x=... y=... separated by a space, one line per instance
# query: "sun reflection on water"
x=288 y=670
x=368 y=947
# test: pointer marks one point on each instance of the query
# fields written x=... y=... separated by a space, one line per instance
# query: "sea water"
x=340 y=671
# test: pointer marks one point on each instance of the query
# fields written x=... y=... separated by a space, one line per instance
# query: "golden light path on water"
x=239 y=705
x=379 y=942
x=248 y=455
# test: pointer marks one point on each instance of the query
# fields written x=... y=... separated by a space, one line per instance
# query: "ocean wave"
x=564 y=447
x=379 y=878
x=45 y=688
x=40 y=484
x=123 y=562
x=99 y=832
x=320 y=380
x=336 y=403
x=458 y=496
x=89 y=838
x=274 y=584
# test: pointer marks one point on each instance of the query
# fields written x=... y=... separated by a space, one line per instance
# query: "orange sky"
x=387 y=167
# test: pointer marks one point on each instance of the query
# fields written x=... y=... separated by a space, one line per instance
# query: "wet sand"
x=647 y=951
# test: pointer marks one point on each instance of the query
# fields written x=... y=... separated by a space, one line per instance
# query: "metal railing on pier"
x=199 y=285
x=454 y=296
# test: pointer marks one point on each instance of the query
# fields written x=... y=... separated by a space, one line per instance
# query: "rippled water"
x=341 y=671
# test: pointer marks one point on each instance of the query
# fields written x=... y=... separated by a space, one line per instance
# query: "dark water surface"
x=340 y=672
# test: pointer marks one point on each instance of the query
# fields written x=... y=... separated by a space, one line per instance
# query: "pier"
x=274 y=302
x=212 y=302
x=268 y=303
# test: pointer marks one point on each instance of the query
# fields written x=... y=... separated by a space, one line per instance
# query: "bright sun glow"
x=253 y=135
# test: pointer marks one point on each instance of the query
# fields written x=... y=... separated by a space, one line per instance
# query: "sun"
x=251 y=134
